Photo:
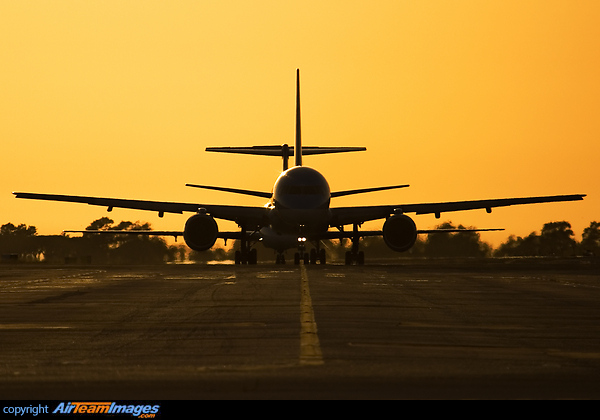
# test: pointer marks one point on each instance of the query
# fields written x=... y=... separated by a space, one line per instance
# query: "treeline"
x=556 y=239
x=21 y=243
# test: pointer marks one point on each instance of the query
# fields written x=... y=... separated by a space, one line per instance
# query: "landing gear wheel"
x=250 y=257
x=358 y=258
x=349 y=258
x=313 y=256
x=355 y=256
x=280 y=259
x=322 y=257
x=253 y=256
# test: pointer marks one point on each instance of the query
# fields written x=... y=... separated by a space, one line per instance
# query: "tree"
x=19 y=241
x=104 y=223
x=126 y=248
x=590 y=240
x=517 y=246
x=17 y=231
x=459 y=244
x=556 y=239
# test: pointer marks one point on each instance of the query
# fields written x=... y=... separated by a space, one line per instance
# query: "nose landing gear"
x=317 y=254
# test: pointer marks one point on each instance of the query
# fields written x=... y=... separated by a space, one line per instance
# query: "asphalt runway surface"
x=180 y=332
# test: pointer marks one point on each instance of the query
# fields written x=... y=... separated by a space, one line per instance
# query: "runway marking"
x=310 y=348
x=574 y=354
x=32 y=326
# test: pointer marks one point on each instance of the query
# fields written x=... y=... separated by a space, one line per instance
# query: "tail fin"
x=286 y=151
x=298 y=147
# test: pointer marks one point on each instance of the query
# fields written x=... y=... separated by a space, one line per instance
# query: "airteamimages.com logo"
x=142 y=411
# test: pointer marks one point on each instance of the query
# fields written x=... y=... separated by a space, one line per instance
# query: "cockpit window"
x=302 y=190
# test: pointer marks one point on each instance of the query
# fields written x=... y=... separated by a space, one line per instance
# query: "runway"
x=380 y=331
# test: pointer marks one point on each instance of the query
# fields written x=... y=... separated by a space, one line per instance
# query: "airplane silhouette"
x=298 y=211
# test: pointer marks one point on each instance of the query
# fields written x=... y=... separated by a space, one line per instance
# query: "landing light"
x=301 y=239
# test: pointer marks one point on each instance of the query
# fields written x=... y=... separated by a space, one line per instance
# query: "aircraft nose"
x=303 y=202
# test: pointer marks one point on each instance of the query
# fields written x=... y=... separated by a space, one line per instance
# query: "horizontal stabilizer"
x=130 y=232
x=175 y=234
x=283 y=150
x=421 y=231
x=366 y=233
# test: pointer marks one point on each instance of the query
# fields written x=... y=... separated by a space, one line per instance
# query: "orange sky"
x=461 y=99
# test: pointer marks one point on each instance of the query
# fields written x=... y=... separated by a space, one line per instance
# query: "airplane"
x=298 y=211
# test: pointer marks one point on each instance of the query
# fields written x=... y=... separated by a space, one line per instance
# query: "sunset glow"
x=462 y=100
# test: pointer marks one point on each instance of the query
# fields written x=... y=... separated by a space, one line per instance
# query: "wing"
x=248 y=216
x=233 y=190
x=366 y=190
x=173 y=233
x=350 y=215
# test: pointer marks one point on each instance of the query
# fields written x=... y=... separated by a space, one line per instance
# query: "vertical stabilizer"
x=298 y=146
x=285 y=151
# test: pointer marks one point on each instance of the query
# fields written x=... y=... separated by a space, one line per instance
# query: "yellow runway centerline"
x=310 y=348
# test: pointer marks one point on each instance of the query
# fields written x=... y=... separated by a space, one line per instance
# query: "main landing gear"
x=249 y=257
x=246 y=255
x=354 y=256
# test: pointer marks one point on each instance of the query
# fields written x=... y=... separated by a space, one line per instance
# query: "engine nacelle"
x=399 y=232
x=200 y=232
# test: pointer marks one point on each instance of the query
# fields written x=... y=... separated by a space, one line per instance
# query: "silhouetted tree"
x=179 y=252
x=590 y=240
x=126 y=248
x=517 y=246
x=375 y=247
x=460 y=244
x=217 y=254
x=60 y=249
x=556 y=240
x=19 y=241
x=104 y=223
x=10 y=230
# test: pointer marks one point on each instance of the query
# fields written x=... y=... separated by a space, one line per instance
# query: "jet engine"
x=399 y=232
x=200 y=232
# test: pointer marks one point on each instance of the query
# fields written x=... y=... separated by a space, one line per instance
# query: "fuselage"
x=300 y=202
